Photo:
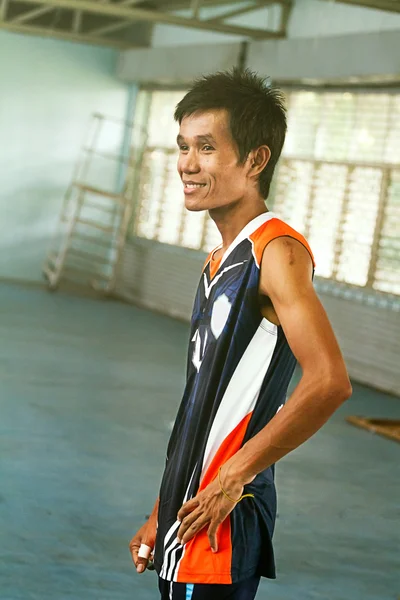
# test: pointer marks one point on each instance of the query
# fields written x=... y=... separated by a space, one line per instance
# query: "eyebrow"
x=206 y=138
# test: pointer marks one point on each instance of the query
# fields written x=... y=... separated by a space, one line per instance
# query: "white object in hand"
x=144 y=551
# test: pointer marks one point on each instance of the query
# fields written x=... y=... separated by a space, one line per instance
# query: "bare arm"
x=285 y=278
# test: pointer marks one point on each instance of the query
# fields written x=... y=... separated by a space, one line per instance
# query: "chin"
x=194 y=206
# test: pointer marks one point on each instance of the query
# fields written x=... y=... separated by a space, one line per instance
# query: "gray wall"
x=172 y=65
x=345 y=57
x=164 y=278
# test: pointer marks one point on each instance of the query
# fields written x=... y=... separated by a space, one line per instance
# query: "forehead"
x=214 y=122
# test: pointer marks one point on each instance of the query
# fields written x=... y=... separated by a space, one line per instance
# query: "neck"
x=231 y=219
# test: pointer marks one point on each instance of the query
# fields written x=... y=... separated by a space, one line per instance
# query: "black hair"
x=257 y=114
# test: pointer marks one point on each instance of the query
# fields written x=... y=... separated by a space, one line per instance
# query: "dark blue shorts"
x=244 y=590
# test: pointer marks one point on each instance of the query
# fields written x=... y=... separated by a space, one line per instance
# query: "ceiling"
x=129 y=23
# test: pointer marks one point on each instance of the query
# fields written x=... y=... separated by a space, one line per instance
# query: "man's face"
x=208 y=162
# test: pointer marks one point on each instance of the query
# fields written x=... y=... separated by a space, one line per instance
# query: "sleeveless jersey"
x=238 y=371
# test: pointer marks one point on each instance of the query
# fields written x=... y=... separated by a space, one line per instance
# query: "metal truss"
x=128 y=23
x=385 y=5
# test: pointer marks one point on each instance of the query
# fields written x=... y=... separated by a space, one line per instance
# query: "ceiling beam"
x=385 y=5
x=115 y=26
x=77 y=21
x=110 y=28
x=65 y=35
x=232 y=13
x=195 y=6
x=240 y=11
x=126 y=2
x=140 y=14
x=286 y=10
x=183 y=4
x=32 y=14
x=3 y=9
x=44 y=10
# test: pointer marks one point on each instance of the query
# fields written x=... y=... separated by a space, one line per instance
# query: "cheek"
x=218 y=171
x=232 y=178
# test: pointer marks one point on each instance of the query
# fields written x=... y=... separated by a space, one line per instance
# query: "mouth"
x=189 y=187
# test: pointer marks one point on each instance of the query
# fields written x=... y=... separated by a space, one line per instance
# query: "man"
x=255 y=314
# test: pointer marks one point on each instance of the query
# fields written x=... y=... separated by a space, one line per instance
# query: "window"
x=338 y=182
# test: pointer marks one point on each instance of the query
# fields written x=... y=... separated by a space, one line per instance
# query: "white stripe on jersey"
x=174 y=546
x=243 y=389
x=208 y=288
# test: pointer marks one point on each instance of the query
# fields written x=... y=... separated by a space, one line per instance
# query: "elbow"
x=339 y=388
x=346 y=390
x=330 y=384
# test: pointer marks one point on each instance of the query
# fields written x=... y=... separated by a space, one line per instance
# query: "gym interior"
x=100 y=262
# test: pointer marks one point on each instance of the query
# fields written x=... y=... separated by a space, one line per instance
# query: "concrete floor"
x=89 y=391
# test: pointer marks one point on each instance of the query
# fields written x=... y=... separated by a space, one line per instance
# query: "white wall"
x=48 y=89
x=165 y=278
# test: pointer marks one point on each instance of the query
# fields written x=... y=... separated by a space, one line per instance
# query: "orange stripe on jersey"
x=209 y=257
x=199 y=564
x=214 y=264
x=271 y=230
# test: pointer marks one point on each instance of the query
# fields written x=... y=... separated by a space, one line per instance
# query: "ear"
x=258 y=160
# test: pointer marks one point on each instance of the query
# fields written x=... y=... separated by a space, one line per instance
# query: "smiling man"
x=255 y=315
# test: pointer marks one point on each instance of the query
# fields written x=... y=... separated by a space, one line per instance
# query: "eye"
x=208 y=148
x=183 y=148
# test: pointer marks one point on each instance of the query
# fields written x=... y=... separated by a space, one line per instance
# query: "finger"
x=187 y=522
x=212 y=535
x=187 y=508
x=134 y=549
x=141 y=565
x=194 y=529
x=143 y=557
x=140 y=562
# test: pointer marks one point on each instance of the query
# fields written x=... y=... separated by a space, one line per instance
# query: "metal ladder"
x=97 y=208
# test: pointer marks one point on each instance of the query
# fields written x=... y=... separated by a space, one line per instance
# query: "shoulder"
x=286 y=251
x=272 y=231
x=287 y=267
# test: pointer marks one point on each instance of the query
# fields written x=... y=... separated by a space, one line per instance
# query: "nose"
x=189 y=163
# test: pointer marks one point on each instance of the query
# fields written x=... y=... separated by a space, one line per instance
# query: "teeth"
x=191 y=186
